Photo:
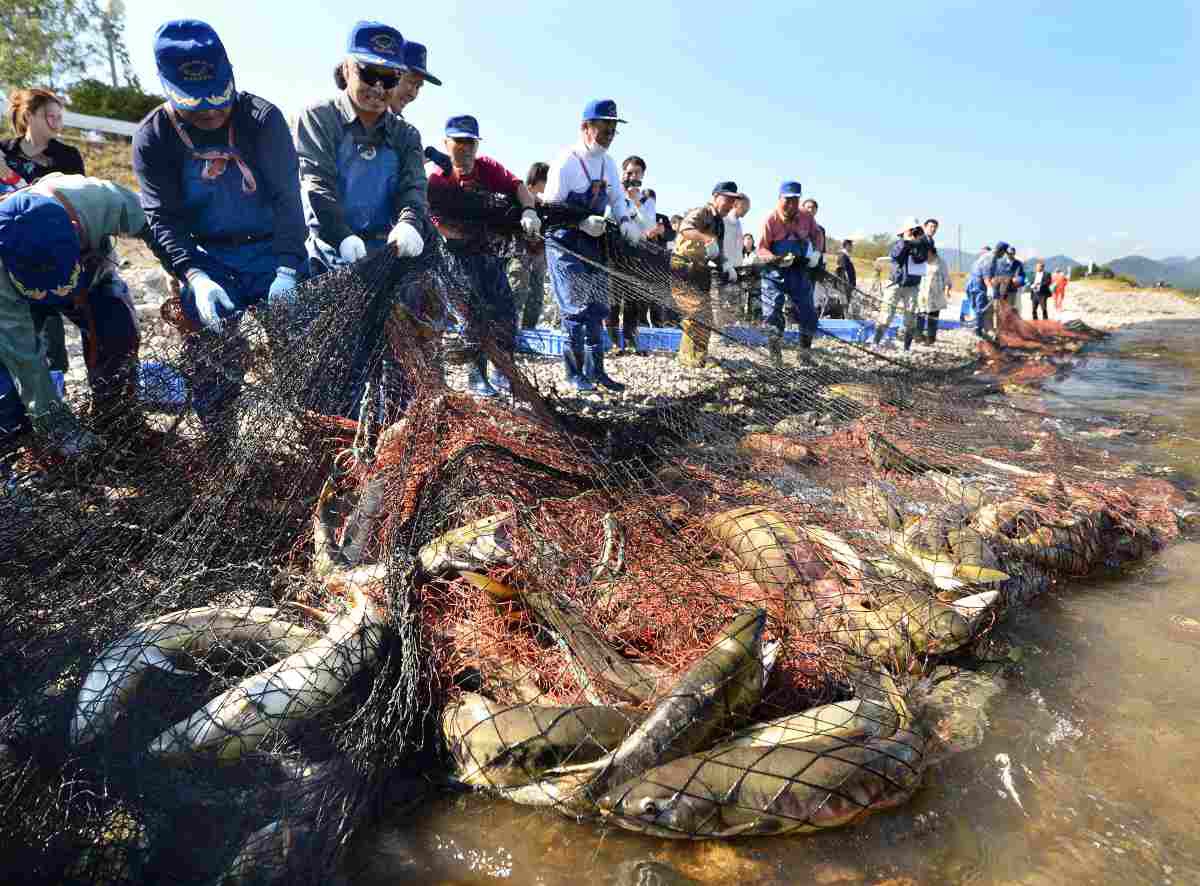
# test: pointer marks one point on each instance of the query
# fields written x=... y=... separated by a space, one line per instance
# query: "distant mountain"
x=1176 y=260
x=1183 y=274
x=1054 y=262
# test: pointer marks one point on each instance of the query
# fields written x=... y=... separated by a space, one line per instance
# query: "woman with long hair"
x=36 y=116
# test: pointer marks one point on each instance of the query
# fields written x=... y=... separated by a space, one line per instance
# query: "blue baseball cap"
x=38 y=246
x=1002 y=247
x=464 y=126
x=374 y=43
x=416 y=57
x=602 y=109
x=728 y=189
x=789 y=189
x=192 y=66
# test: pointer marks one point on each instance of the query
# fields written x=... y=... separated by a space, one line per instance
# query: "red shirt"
x=488 y=175
x=803 y=226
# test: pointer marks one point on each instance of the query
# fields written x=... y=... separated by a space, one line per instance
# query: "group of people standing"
x=239 y=207
x=998 y=274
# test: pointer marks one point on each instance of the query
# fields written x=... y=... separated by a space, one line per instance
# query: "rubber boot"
x=593 y=369
x=576 y=380
x=477 y=382
x=908 y=338
x=806 y=348
x=931 y=329
x=879 y=331
x=498 y=380
x=775 y=347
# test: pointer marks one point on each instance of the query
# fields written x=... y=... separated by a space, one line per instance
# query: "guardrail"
x=87 y=121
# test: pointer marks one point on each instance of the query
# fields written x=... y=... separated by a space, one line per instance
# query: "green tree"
x=91 y=96
x=55 y=42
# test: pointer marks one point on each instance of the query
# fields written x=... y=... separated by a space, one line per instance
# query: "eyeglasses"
x=377 y=77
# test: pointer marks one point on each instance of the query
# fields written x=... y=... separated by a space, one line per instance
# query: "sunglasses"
x=377 y=77
x=633 y=182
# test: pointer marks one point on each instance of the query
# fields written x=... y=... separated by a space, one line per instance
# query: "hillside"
x=1183 y=274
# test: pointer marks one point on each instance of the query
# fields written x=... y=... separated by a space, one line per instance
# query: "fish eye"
x=648 y=807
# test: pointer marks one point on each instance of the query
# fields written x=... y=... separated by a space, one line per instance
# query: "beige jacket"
x=931 y=295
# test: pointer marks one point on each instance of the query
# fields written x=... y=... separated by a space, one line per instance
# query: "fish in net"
x=233 y=643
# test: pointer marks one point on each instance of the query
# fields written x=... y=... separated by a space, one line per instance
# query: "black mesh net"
x=310 y=580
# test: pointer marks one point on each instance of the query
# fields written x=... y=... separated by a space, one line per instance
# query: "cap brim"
x=458 y=133
x=379 y=61
x=614 y=119
x=429 y=78
x=209 y=95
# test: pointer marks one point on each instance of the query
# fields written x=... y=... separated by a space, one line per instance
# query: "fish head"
x=657 y=807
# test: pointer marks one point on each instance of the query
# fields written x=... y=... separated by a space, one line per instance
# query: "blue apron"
x=232 y=221
x=579 y=288
x=794 y=286
x=368 y=179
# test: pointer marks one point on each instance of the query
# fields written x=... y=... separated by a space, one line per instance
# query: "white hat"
x=908 y=224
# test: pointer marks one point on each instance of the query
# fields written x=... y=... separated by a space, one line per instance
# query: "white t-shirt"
x=732 y=247
x=567 y=174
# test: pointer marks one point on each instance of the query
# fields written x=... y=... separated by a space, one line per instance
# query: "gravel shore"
x=658 y=377
x=1112 y=309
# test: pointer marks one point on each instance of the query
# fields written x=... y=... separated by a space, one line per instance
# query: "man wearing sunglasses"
x=362 y=176
x=586 y=177
x=361 y=170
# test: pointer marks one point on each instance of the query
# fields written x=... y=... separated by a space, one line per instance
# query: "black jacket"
x=1042 y=289
x=845 y=270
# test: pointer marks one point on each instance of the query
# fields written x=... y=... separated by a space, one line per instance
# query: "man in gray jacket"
x=363 y=185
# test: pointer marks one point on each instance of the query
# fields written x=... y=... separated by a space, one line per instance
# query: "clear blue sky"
x=1069 y=127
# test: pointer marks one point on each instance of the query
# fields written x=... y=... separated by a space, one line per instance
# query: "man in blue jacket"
x=988 y=278
x=221 y=190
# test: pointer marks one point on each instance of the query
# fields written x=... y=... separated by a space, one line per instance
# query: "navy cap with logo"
x=416 y=57
x=38 y=246
x=374 y=43
x=602 y=109
x=728 y=189
x=192 y=66
x=463 y=126
x=1002 y=247
x=790 y=189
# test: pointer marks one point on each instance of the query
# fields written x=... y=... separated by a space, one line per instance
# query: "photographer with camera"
x=908 y=255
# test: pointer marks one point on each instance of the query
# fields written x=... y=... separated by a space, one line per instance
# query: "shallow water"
x=1089 y=772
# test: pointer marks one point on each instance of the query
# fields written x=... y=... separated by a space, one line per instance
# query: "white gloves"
x=631 y=231
x=712 y=249
x=593 y=225
x=991 y=293
x=405 y=239
x=786 y=260
x=814 y=257
x=731 y=274
x=283 y=287
x=208 y=297
x=531 y=224
x=352 y=249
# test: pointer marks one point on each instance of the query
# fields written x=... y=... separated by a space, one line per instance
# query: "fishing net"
x=310 y=580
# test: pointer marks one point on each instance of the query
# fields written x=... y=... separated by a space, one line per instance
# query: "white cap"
x=908 y=224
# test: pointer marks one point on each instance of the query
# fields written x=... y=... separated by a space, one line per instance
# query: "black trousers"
x=1042 y=301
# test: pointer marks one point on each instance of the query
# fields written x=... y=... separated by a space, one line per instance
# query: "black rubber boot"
x=593 y=370
x=575 y=369
x=908 y=339
x=879 y=331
